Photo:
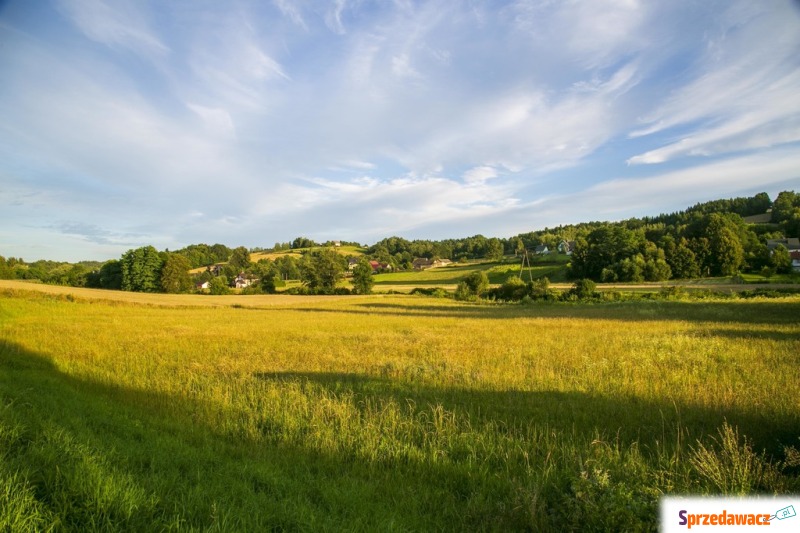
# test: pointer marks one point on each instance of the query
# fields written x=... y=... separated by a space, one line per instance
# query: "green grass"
x=386 y=412
x=552 y=267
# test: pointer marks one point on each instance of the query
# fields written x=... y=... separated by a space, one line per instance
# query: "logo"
x=691 y=514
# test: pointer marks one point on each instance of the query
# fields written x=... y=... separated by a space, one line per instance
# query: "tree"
x=321 y=270
x=302 y=242
x=362 y=277
x=683 y=262
x=784 y=205
x=141 y=270
x=477 y=282
x=287 y=267
x=219 y=286
x=175 y=274
x=495 y=250
x=240 y=259
x=6 y=272
x=726 y=249
x=781 y=260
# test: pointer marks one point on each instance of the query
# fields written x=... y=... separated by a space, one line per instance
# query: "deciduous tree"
x=362 y=277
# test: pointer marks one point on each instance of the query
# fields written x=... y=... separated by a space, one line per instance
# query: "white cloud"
x=479 y=174
x=117 y=24
x=333 y=17
x=707 y=181
x=217 y=120
x=401 y=67
x=291 y=10
x=743 y=94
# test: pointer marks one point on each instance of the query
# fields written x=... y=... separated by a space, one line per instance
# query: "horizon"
x=253 y=123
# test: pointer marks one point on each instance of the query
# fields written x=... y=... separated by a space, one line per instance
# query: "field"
x=385 y=412
x=450 y=276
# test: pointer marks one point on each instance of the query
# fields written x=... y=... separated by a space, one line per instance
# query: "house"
x=566 y=247
x=421 y=263
x=790 y=244
x=795 y=255
x=243 y=280
x=379 y=267
x=352 y=263
x=337 y=244
x=441 y=263
x=541 y=250
x=202 y=285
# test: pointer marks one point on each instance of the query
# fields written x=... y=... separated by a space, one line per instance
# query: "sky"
x=168 y=123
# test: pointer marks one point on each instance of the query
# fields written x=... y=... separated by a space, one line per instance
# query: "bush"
x=219 y=285
x=584 y=289
x=463 y=292
x=511 y=290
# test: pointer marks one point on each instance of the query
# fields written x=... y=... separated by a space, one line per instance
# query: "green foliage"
x=513 y=289
x=781 y=260
x=6 y=272
x=494 y=251
x=109 y=276
x=784 y=206
x=302 y=242
x=477 y=282
x=288 y=267
x=205 y=255
x=732 y=467
x=362 y=277
x=321 y=270
x=240 y=259
x=727 y=254
x=463 y=292
x=219 y=286
x=141 y=270
x=584 y=289
x=175 y=275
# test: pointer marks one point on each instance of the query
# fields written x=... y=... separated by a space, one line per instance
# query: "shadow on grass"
x=108 y=457
x=104 y=457
x=776 y=311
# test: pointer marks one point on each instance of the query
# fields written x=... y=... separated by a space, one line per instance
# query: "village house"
x=421 y=263
x=202 y=285
x=566 y=247
x=791 y=244
x=243 y=280
x=541 y=250
x=795 y=255
x=379 y=267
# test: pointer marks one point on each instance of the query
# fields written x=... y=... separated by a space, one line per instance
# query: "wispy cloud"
x=118 y=24
x=743 y=94
x=266 y=120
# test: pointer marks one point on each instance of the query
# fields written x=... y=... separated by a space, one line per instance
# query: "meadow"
x=386 y=412
x=497 y=272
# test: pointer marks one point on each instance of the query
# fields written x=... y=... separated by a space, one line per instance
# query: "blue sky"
x=124 y=123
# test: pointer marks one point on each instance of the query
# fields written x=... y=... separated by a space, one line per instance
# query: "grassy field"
x=385 y=412
x=451 y=275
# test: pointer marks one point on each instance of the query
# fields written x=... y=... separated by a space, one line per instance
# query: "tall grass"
x=391 y=413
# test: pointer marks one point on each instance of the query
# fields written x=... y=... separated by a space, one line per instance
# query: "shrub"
x=584 y=289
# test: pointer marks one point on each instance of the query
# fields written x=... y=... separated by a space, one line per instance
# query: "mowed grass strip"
x=387 y=412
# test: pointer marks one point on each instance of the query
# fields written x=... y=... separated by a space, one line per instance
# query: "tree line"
x=707 y=239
